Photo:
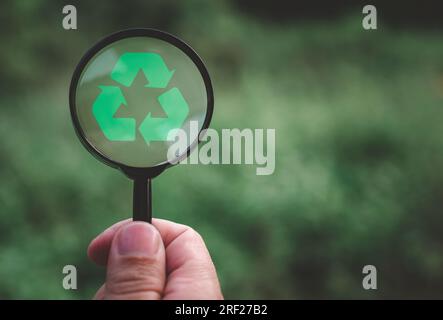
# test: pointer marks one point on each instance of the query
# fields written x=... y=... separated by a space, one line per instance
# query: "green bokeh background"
x=359 y=151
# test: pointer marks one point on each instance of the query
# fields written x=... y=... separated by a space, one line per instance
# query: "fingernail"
x=138 y=238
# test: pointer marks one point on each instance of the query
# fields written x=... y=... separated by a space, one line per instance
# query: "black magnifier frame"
x=142 y=196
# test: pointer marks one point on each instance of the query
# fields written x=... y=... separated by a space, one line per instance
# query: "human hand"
x=164 y=260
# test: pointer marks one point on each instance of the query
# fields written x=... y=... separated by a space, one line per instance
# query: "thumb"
x=136 y=263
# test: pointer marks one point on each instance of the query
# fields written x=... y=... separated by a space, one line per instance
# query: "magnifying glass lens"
x=132 y=93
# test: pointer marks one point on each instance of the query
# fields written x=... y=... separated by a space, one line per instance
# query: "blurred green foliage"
x=359 y=172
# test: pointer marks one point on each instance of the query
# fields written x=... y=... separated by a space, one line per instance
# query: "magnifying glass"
x=128 y=93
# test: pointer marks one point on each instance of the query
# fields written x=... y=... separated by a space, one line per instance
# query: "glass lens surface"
x=133 y=93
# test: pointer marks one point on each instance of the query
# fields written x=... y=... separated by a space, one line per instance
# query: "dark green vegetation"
x=359 y=163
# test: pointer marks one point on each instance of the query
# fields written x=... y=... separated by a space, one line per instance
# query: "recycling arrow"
x=111 y=98
x=104 y=108
x=152 y=65
x=176 y=109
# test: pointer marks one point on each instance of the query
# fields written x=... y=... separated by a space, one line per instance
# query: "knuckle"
x=192 y=234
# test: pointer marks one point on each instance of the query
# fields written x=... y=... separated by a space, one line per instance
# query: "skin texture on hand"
x=165 y=260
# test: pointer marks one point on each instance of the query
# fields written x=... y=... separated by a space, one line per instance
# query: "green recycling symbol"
x=111 y=98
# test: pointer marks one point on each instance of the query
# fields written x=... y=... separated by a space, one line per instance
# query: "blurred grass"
x=359 y=172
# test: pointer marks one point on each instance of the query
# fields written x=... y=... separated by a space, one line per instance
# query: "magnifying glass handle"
x=142 y=201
